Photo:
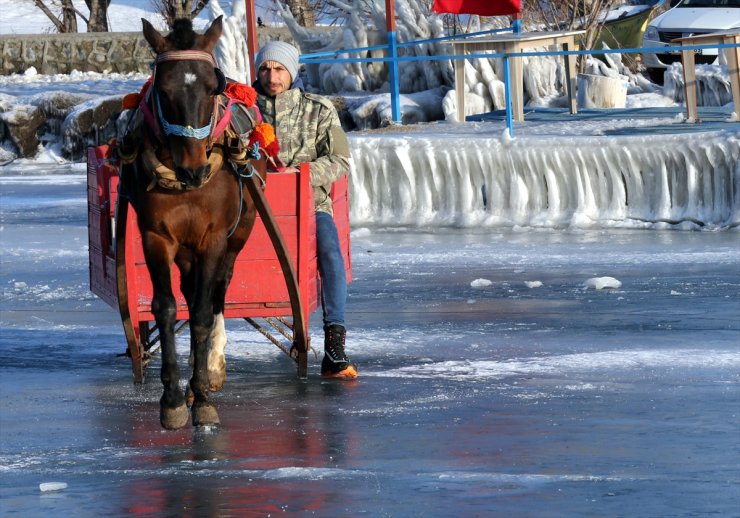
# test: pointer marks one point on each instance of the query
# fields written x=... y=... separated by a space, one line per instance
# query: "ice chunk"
x=533 y=284
x=599 y=283
x=360 y=232
x=480 y=283
x=52 y=486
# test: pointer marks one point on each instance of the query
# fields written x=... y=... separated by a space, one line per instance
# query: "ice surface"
x=471 y=402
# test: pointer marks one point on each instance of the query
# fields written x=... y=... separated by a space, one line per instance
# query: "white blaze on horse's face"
x=190 y=78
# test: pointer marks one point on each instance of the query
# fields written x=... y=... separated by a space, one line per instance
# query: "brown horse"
x=192 y=209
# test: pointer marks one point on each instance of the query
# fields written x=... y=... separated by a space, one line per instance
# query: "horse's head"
x=186 y=81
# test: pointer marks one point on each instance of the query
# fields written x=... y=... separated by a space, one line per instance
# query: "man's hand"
x=290 y=170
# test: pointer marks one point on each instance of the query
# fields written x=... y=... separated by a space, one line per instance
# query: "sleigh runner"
x=258 y=292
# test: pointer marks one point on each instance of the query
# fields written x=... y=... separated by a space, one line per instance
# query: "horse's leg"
x=173 y=413
x=216 y=356
x=188 y=287
x=201 y=325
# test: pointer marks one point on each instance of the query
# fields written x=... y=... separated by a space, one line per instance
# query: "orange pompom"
x=262 y=134
x=131 y=101
x=241 y=92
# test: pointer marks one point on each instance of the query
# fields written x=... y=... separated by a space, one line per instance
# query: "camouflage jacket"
x=308 y=129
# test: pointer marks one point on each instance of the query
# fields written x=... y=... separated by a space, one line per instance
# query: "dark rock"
x=90 y=123
x=59 y=104
x=21 y=125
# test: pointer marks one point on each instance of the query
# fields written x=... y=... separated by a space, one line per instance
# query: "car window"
x=709 y=3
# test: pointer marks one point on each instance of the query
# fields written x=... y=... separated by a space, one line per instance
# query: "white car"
x=687 y=18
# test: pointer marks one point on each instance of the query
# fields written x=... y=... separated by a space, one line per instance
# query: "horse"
x=193 y=211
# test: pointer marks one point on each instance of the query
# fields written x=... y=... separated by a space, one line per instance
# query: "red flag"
x=481 y=7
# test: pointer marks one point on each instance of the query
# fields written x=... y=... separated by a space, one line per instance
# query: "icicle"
x=453 y=179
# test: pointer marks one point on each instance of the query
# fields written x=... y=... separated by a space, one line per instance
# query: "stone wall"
x=86 y=52
x=90 y=52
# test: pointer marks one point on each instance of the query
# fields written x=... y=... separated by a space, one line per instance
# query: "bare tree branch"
x=41 y=5
x=171 y=10
x=199 y=7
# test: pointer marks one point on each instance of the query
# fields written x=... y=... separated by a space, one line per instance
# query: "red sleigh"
x=260 y=291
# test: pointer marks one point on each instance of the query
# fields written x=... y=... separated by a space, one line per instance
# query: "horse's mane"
x=182 y=35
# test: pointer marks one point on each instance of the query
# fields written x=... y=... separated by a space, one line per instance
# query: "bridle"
x=168 y=128
x=161 y=127
x=220 y=120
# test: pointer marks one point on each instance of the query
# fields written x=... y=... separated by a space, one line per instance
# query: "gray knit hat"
x=284 y=53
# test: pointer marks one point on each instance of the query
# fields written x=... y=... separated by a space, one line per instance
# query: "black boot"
x=335 y=363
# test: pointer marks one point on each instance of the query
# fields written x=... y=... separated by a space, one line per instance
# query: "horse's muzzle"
x=192 y=178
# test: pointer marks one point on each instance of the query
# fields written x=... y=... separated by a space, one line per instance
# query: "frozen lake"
x=493 y=382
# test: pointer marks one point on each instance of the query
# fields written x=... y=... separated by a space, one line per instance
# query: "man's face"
x=274 y=78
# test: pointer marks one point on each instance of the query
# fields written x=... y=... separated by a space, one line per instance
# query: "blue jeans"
x=331 y=269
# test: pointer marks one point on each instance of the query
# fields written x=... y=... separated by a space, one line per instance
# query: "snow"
x=569 y=364
x=624 y=11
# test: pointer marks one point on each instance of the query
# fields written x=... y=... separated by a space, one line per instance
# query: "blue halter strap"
x=183 y=131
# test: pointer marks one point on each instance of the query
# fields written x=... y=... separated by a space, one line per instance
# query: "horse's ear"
x=213 y=33
x=155 y=39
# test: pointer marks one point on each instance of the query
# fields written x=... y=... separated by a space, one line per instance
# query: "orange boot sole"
x=349 y=373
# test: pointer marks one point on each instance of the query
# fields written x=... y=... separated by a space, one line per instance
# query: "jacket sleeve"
x=332 y=149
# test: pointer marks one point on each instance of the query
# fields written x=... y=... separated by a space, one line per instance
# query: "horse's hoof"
x=205 y=415
x=173 y=418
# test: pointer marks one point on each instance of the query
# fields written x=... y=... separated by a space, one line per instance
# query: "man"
x=308 y=129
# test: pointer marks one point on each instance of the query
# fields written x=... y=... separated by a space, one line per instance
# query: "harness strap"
x=224 y=122
x=149 y=117
x=243 y=170
x=183 y=55
x=165 y=177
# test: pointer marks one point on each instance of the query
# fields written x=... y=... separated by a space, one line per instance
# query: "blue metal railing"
x=394 y=59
